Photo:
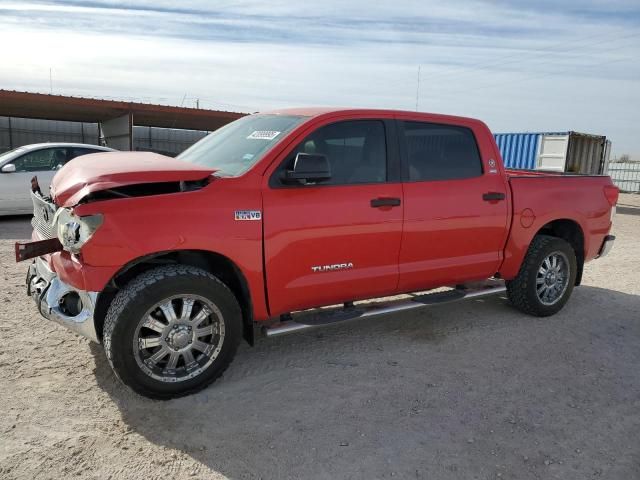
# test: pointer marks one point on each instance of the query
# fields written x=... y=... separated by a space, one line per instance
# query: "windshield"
x=236 y=147
x=5 y=155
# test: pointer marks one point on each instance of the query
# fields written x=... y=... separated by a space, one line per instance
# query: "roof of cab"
x=318 y=111
x=308 y=111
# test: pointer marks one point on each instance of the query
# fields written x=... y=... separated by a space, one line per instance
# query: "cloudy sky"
x=519 y=65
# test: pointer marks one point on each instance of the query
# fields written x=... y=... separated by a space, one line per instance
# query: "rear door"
x=455 y=217
x=336 y=240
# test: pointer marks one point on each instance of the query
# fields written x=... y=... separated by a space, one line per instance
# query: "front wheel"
x=172 y=331
x=546 y=277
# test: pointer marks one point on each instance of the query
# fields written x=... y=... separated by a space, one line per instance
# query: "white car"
x=20 y=165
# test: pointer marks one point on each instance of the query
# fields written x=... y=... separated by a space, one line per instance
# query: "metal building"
x=168 y=141
x=34 y=117
x=15 y=132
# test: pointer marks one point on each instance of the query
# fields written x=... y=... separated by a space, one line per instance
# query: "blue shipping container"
x=518 y=150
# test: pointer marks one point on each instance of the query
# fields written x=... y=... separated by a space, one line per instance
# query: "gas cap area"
x=527 y=217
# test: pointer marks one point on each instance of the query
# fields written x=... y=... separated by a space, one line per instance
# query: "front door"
x=337 y=240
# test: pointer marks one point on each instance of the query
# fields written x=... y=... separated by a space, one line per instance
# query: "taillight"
x=611 y=192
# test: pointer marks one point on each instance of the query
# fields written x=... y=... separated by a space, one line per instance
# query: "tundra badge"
x=335 y=266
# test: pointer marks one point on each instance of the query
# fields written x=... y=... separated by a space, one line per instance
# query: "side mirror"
x=309 y=168
x=9 y=168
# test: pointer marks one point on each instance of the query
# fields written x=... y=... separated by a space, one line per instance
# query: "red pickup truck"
x=170 y=262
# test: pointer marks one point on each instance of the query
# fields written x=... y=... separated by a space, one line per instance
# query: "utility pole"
x=197 y=103
x=50 y=83
x=418 y=89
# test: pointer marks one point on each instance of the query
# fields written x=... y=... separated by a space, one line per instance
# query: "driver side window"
x=356 y=151
x=41 y=160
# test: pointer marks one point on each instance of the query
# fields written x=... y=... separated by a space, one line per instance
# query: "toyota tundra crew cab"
x=289 y=220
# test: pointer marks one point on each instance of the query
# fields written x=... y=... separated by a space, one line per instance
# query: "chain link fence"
x=625 y=175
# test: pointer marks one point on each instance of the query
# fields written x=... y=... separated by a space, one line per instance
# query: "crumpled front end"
x=60 y=302
x=95 y=196
x=44 y=239
x=55 y=299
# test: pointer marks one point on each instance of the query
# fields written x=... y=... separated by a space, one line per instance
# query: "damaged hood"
x=102 y=171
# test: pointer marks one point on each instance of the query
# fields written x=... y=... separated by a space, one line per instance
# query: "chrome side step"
x=320 y=317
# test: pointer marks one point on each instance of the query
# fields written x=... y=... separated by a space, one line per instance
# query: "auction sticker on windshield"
x=263 y=135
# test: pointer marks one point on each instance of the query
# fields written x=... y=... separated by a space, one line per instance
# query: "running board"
x=320 y=317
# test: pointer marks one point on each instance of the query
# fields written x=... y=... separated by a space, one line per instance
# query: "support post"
x=10 y=135
x=117 y=132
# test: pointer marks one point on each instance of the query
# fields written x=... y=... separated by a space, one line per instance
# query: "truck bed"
x=541 y=197
x=517 y=172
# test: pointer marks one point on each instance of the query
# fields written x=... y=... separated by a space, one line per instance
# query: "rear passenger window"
x=356 y=150
x=440 y=152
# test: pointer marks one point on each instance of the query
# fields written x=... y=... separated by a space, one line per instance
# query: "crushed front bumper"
x=60 y=302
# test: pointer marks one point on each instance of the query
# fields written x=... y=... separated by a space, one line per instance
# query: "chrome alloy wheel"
x=178 y=338
x=552 y=278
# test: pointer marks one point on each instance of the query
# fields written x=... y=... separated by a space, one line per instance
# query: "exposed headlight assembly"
x=73 y=231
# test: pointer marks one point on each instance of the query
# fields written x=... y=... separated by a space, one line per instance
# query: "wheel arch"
x=570 y=231
x=219 y=265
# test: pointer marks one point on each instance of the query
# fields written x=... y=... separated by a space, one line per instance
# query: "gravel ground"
x=469 y=390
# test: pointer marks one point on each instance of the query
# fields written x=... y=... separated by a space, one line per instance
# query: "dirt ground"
x=471 y=390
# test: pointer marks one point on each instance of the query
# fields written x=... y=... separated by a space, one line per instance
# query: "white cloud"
x=518 y=67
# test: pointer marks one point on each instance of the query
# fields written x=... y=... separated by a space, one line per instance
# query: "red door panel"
x=325 y=226
x=451 y=234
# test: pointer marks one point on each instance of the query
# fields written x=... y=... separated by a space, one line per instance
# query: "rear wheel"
x=172 y=331
x=546 y=277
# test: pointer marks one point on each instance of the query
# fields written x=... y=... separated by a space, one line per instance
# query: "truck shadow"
x=376 y=392
x=624 y=209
